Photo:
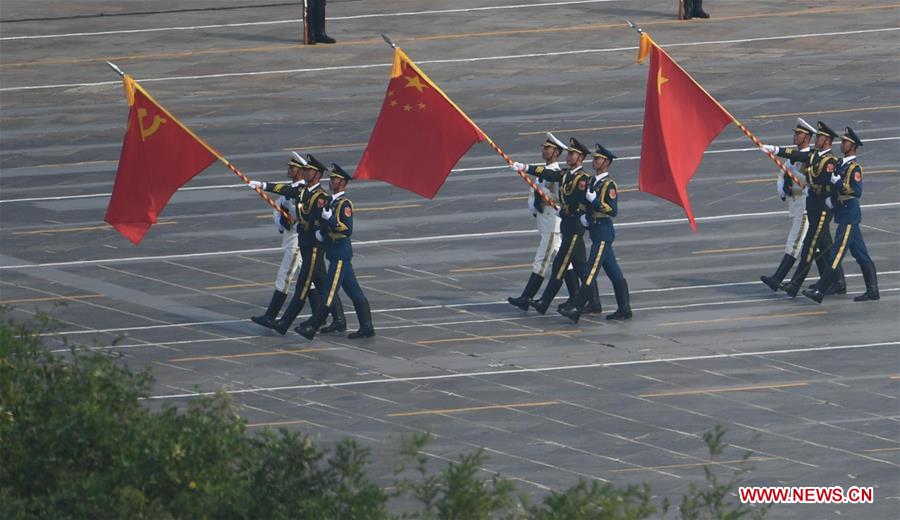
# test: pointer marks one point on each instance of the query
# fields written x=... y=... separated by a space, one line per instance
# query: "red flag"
x=159 y=155
x=420 y=134
x=680 y=120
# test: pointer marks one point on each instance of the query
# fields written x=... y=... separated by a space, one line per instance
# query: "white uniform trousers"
x=799 y=224
x=290 y=260
x=548 y=226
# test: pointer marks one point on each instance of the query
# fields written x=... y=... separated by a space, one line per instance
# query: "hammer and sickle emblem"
x=157 y=121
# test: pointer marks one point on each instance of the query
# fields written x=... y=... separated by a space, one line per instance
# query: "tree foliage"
x=77 y=440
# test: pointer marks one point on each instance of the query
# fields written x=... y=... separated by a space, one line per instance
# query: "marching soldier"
x=817 y=241
x=307 y=210
x=573 y=182
x=548 y=226
x=290 y=259
x=315 y=12
x=846 y=182
x=602 y=206
x=335 y=229
x=796 y=199
x=692 y=9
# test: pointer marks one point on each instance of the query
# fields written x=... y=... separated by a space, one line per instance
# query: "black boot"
x=839 y=285
x=697 y=11
x=268 y=318
x=338 y=322
x=817 y=294
x=687 y=9
x=787 y=261
x=531 y=288
x=793 y=287
x=319 y=19
x=573 y=283
x=623 y=300
x=871 y=279
x=593 y=305
x=290 y=314
x=310 y=327
x=546 y=299
x=364 y=315
x=574 y=311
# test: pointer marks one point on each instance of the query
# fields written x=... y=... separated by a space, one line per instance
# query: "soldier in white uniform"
x=795 y=196
x=548 y=226
x=290 y=259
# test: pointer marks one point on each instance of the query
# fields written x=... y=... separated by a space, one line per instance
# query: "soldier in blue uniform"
x=289 y=193
x=573 y=182
x=307 y=210
x=847 y=190
x=335 y=229
x=821 y=164
x=602 y=206
x=790 y=191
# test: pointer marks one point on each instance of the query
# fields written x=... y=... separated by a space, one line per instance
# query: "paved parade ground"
x=811 y=389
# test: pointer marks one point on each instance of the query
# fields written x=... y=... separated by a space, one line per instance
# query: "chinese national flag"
x=159 y=155
x=680 y=120
x=420 y=134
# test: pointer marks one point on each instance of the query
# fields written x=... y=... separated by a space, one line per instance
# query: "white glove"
x=591 y=195
x=326 y=213
x=768 y=148
x=780 y=184
x=829 y=203
x=319 y=236
x=584 y=221
x=517 y=166
x=256 y=184
x=805 y=191
x=835 y=178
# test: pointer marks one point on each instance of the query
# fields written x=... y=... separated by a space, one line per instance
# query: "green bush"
x=77 y=442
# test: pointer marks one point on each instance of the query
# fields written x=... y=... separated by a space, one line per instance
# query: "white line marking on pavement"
x=456 y=60
x=415 y=240
x=487 y=373
x=481 y=304
x=298 y=20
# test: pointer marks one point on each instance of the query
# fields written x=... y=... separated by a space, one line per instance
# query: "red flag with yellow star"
x=420 y=134
x=680 y=120
x=159 y=155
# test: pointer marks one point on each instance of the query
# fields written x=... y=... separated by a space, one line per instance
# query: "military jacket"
x=573 y=183
x=606 y=205
x=290 y=191
x=336 y=231
x=846 y=193
x=819 y=167
x=309 y=210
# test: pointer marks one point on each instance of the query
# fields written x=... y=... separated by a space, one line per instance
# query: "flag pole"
x=734 y=120
x=212 y=150
x=496 y=148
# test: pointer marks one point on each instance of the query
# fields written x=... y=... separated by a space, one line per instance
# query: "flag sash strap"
x=131 y=83
x=746 y=131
